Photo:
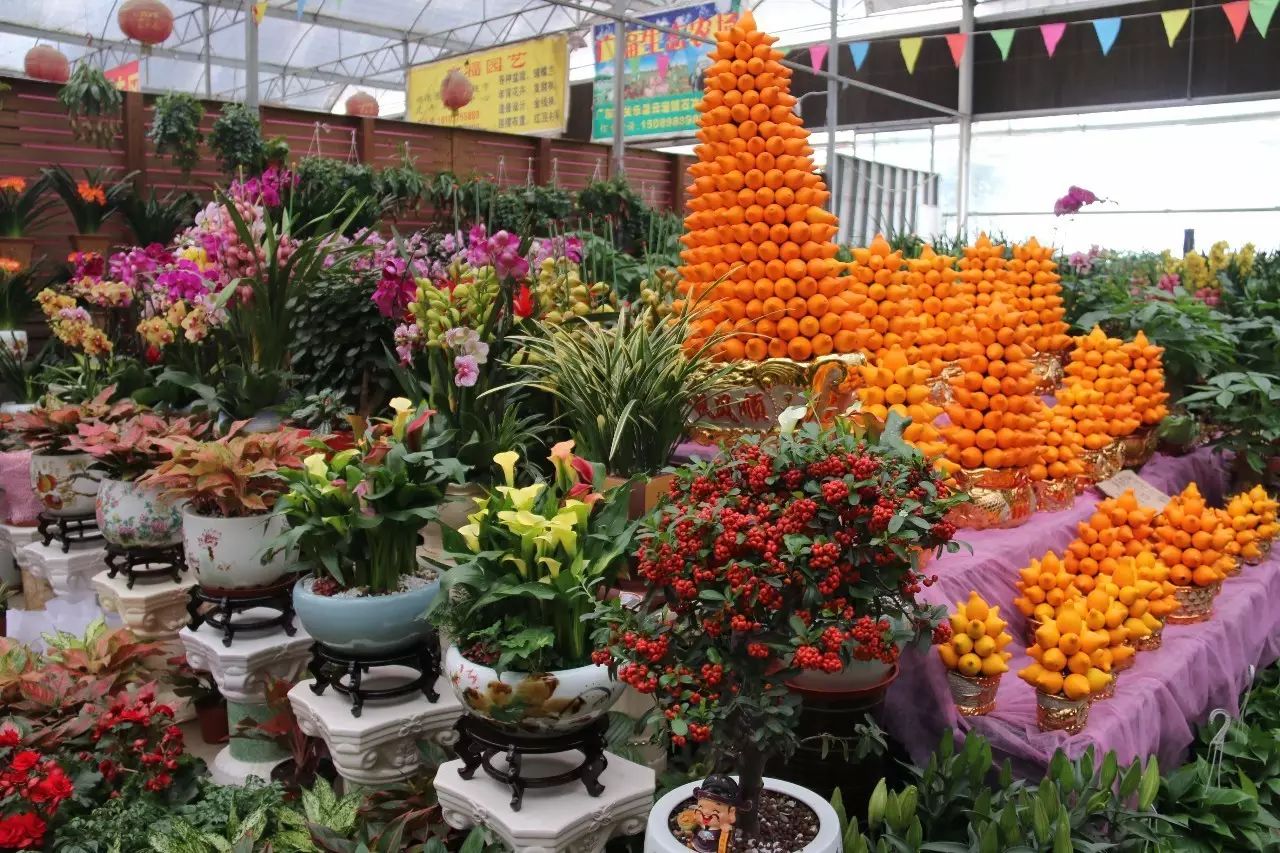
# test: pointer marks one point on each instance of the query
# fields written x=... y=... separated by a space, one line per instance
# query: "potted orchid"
x=132 y=514
x=529 y=567
x=60 y=472
x=230 y=487
x=354 y=518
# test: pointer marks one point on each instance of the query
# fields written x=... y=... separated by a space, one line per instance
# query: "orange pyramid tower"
x=759 y=258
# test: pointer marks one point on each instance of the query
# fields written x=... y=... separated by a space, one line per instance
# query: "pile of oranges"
x=1037 y=289
x=1146 y=375
x=758 y=263
x=1072 y=655
x=1119 y=528
x=1253 y=520
x=1100 y=390
x=892 y=384
x=978 y=638
x=1191 y=538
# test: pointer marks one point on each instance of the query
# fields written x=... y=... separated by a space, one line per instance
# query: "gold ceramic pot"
x=1138 y=448
x=1196 y=601
x=1151 y=642
x=1107 y=692
x=998 y=497
x=1102 y=464
x=1060 y=714
x=757 y=392
x=1046 y=369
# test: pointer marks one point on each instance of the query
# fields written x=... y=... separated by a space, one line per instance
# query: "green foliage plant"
x=175 y=129
x=93 y=106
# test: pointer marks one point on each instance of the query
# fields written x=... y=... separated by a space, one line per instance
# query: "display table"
x=1158 y=702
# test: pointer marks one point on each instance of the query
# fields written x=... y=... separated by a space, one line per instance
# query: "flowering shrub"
x=798 y=553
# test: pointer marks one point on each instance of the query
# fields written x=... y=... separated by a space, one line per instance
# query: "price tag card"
x=1147 y=494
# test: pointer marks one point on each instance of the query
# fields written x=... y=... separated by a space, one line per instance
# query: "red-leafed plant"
x=50 y=429
x=235 y=476
x=125 y=450
x=282 y=728
x=795 y=553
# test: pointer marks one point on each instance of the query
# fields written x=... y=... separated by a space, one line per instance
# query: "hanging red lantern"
x=362 y=104
x=147 y=21
x=456 y=90
x=43 y=62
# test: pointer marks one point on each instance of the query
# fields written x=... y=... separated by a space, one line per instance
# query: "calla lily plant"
x=531 y=563
x=355 y=516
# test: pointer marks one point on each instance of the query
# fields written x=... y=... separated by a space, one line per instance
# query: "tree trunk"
x=751 y=762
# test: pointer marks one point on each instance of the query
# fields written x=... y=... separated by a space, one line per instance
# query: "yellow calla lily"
x=522 y=522
x=404 y=410
x=521 y=566
x=561 y=530
x=507 y=460
x=316 y=467
x=523 y=499
x=471 y=533
x=581 y=511
x=553 y=565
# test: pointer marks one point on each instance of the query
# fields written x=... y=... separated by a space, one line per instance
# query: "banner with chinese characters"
x=126 y=77
x=519 y=88
x=664 y=72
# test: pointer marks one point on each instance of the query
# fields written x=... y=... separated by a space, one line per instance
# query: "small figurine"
x=717 y=810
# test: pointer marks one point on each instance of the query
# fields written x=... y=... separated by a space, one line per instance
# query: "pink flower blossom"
x=465 y=371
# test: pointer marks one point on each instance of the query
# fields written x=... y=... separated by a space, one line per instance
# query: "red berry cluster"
x=873 y=642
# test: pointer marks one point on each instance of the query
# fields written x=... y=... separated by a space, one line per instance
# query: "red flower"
x=21 y=831
x=9 y=736
x=522 y=304
x=52 y=789
x=23 y=761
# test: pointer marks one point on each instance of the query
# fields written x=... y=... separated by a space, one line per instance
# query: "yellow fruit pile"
x=977 y=639
x=1253 y=520
x=1043 y=587
x=893 y=385
x=1191 y=538
x=1099 y=388
x=1073 y=653
x=1146 y=375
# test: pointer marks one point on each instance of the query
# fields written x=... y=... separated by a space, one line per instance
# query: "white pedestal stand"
x=381 y=745
x=69 y=573
x=564 y=819
x=12 y=539
x=154 y=610
x=242 y=672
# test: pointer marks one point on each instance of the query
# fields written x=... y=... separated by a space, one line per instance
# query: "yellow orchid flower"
x=507 y=460
x=523 y=499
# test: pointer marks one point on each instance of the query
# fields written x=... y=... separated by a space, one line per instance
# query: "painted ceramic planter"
x=370 y=625
x=543 y=703
x=659 y=839
x=231 y=553
x=857 y=675
x=136 y=516
x=15 y=341
x=64 y=483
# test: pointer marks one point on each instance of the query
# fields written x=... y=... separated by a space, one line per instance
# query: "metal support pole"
x=619 y=71
x=208 y=54
x=833 y=106
x=964 y=101
x=250 y=59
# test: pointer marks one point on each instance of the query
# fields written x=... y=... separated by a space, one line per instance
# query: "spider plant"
x=625 y=390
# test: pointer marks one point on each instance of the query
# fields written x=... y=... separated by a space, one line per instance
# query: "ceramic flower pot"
x=369 y=625
x=658 y=837
x=15 y=341
x=857 y=675
x=542 y=703
x=131 y=515
x=231 y=553
x=97 y=244
x=64 y=483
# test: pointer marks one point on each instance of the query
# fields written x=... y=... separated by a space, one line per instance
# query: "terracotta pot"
x=17 y=249
x=212 y=715
x=97 y=244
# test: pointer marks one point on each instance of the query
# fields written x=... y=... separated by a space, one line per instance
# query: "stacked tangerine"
x=892 y=384
x=1253 y=520
x=1099 y=375
x=1118 y=528
x=1043 y=587
x=1191 y=538
x=758 y=263
x=978 y=638
x=1072 y=655
x=1038 y=289
x=1146 y=375
x=995 y=417
x=982 y=272
x=1141 y=584
x=1062 y=457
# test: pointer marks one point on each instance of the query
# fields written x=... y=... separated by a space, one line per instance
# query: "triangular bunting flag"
x=859 y=50
x=1237 y=13
x=1003 y=39
x=302 y=7
x=259 y=10
x=1261 y=12
x=1106 y=29
x=818 y=52
x=1052 y=34
x=957 y=43
x=910 y=52
x=1174 y=20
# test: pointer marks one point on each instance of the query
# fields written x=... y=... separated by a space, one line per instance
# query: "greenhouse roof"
x=313 y=53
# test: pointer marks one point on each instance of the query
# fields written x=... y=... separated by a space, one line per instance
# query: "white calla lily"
x=791 y=416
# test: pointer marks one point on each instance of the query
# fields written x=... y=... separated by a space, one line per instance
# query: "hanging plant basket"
x=93 y=106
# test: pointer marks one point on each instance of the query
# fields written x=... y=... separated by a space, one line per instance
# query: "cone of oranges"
x=1146 y=377
x=1253 y=520
x=1043 y=587
x=1142 y=584
x=1071 y=660
x=1119 y=527
x=974 y=656
x=1191 y=538
x=758 y=259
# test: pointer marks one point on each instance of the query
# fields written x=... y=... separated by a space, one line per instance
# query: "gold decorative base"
x=1107 y=692
x=998 y=497
x=975 y=696
x=1264 y=551
x=1197 y=604
x=1151 y=642
x=757 y=392
x=1102 y=464
x=1060 y=714
x=1054 y=495
x=1138 y=448
x=1046 y=369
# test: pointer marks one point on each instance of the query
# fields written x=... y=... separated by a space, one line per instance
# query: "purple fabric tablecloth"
x=1158 y=702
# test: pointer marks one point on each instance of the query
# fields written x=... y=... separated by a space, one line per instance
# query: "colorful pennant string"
x=910 y=51
x=1174 y=20
x=957 y=42
x=817 y=53
x=859 y=51
x=1003 y=40
x=1052 y=34
x=1106 y=29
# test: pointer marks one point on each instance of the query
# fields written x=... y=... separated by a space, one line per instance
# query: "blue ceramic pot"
x=370 y=625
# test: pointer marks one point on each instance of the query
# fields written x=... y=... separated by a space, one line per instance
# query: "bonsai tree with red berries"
x=793 y=553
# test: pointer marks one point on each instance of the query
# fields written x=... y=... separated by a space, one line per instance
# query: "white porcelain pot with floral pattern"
x=231 y=553
x=64 y=483
x=131 y=515
x=542 y=703
x=15 y=341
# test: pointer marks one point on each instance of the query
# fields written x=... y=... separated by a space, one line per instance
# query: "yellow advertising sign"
x=519 y=88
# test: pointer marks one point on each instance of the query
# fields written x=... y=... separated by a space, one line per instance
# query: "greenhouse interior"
x=401 y=451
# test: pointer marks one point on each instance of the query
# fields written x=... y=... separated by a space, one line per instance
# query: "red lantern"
x=362 y=104
x=46 y=63
x=456 y=90
x=148 y=21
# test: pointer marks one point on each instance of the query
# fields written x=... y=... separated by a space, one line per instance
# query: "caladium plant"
x=50 y=428
x=233 y=477
x=128 y=449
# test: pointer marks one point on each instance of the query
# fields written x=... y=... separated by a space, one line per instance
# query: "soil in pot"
x=785 y=825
